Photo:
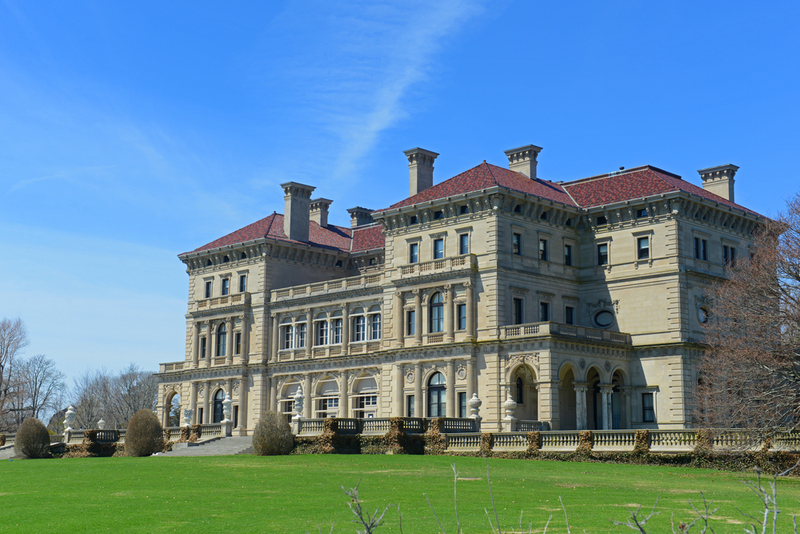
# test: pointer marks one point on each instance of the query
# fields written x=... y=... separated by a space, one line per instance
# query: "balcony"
x=236 y=299
x=445 y=265
x=323 y=288
x=548 y=329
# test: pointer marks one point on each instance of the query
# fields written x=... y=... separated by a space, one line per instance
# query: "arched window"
x=219 y=396
x=437 y=313
x=222 y=338
x=520 y=396
x=437 y=395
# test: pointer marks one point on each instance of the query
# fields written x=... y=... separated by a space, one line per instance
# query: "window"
x=437 y=395
x=520 y=393
x=462 y=404
x=237 y=343
x=226 y=286
x=602 y=221
x=463 y=209
x=219 y=396
x=461 y=317
x=518 y=208
x=410 y=406
x=544 y=215
x=642 y=212
x=438 y=249
x=439 y=214
x=517 y=311
x=301 y=335
x=365 y=406
x=544 y=311
x=648 y=409
x=413 y=252
x=222 y=338
x=375 y=326
x=327 y=407
x=729 y=255
x=242 y=283
x=700 y=249
x=359 y=328
x=567 y=254
x=569 y=315
x=336 y=328
x=322 y=332
x=288 y=337
x=463 y=244
x=208 y=289
x=643 y=247
x=412 y=219
x=202 y=347
x=411 y=323
x=602 y=254
x=516 y=242
x=543 y=249
x=437 y=313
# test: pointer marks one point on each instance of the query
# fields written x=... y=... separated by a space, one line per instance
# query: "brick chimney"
x=297 y=198
x=523 y=159
x=360 y=216
x=420 y=169
x=719 y=180
x=319 y=211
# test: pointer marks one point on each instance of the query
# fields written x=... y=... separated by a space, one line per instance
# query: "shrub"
x=272 y=435
x=32 y=440
x=144 y=435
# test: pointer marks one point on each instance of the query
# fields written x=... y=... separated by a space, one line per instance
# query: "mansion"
x=582 y=301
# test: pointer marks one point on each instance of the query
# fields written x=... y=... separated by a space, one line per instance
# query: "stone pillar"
x=309 y=331
x=449 y=297
x=548 y=403
x=229 y=341
x=345 y=328
x=580 y=405
x=272 y=401
x=193 y=401
x=206 y=395
x=399 y=319
x=344 y=411
x=419 y=402
x=470 y=377
x=212 y=350
x=397 y=402
x=471 y=327
x=276 y=334
x=196 y=344
x=605 y=409
x=417 y=318
x=625 y=409
x=308 y=406
x=450 y=392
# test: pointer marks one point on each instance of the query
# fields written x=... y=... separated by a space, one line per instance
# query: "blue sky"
x=132 y=133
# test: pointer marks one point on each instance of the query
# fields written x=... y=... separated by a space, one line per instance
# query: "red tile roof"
x=368 y=237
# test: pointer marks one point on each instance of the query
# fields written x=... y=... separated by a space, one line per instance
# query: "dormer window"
x=640 y=213
x=544 y=216
x=439 y=214
x=463 y=209
x=602 y=221
x=412 y=219
x=225 y=259
x=517 y=209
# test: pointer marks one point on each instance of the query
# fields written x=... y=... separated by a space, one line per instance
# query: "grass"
x=299 y=493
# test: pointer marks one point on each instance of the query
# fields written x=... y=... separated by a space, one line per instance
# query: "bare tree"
x=88 y=394
x=13 y=338
x=750 y=377
x=36 y=388
x=114 y=398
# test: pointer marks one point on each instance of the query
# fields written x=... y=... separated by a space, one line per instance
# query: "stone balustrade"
x=444 y=265
x=333 y=286
x=548 y=329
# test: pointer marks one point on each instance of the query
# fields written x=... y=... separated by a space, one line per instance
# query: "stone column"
x=449 y=297
x=548 y=403
x=196 y=344
x=397 y=411
x=605 y=396
x=272 y=401
x=193 y=401
x=344 y=412
x=245 y=353
x=345 y=328
x=625 y=409
x=471 y=327
x=417 y=318
x=276 y=334
x=309 y=404
x=450 y=392
x=470 y=377
x=213 y=348
x=580 y=405
x=419 y=404
x=309 y=331
x=229 y=341
x=399 y=319
x=206 y=395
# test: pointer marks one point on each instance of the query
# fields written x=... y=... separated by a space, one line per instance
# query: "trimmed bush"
x=144 y=435
x=272 y=435
x=33 y=439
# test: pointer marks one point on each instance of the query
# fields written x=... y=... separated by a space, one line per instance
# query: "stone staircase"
x=213 y=447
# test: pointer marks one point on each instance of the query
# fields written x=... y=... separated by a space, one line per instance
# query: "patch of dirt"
x=469 y=478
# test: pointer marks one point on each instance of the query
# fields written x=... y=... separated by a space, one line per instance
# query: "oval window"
x=604 y=318
x=702 y=314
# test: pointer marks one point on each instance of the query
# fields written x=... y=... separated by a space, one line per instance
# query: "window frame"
x=463 y=244
x=643 y=252
x=649 y=410
x=437 y=248
x=242 y=283
x=436 y=314
x=517 y=310
x=225 y=288
x=413 y=252
x=543 y=252
x=516 y=243
x=603 y=257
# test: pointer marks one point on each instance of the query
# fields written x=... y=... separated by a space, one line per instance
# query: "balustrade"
x=565 y=440
x=673 y=440
x=508 y=440
x=613 y=440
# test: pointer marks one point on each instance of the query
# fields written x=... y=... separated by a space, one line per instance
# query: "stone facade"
x=582 y=301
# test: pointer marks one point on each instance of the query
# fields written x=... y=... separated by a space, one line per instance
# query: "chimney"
x=719 y=180
x=523 y=159
x=420 y=169
x=295 y=218
x=319 y=211
x=360 y=216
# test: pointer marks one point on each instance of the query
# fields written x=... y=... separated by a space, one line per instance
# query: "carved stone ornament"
x=531 y=360
x=461 y=373
x=603 y=304
x=410 y=377
x=582 y=363
x=201 y=392
x=607 y=367
x=236 y=389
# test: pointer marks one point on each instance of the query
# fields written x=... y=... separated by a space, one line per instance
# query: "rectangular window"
x=375 y=326
x=463 y=244
x=462 y=404
x=704 y=249
x=288 y=337
x=461 y=317
x=226 y=286
x=569 y=315
x=516 y=241
x=236 y=416
x=438 y=249
x=322 y=333
x=517 y=309
x=413 y=252
x=648 y=409
x=439 y=214
x=410 y=406
x=301 y=335
x=567 y=254
x=412 y=219
x=602 y=221
x=200 y=415
x=337 y=331
x=602 y=254
x=729 y=255
x=544 y=311
x=700 y=249
x=359 y=328
x=237 y=343
x=411 y=323
x=208 y=290
x=543 y=249
x=463 y=209
x=643 y=246
x=641 y=213
x=203 y=347
x=242 y=283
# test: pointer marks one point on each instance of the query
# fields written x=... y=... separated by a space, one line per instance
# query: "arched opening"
x=437 y=313
x=594 y=401
x=327 y=398
x=617 y=407
x=365 y=398
x=174 y=416
x=219 y=396
x=566 y=401
x=437 y=392
x=222 y=338
x=525 y=394
x=286 y=402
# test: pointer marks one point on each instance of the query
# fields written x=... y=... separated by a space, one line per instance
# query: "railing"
x=349 y=426
x=532 y=426
x=517 y=441
x=312 y=426
x=413 y=425
x=444 y=265
x=613 y=440
x=673 y=440
x=221 y=302
x=453 y=425
x=786 y=441
x=566 y=440
x=211 y=430
x=470 y=441
x=341 y=284
x=375 y=426
x=548 y=328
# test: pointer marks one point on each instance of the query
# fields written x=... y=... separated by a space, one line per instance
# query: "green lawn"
x=299 y=493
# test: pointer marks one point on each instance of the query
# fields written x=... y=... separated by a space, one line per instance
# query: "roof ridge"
x=489 y=168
